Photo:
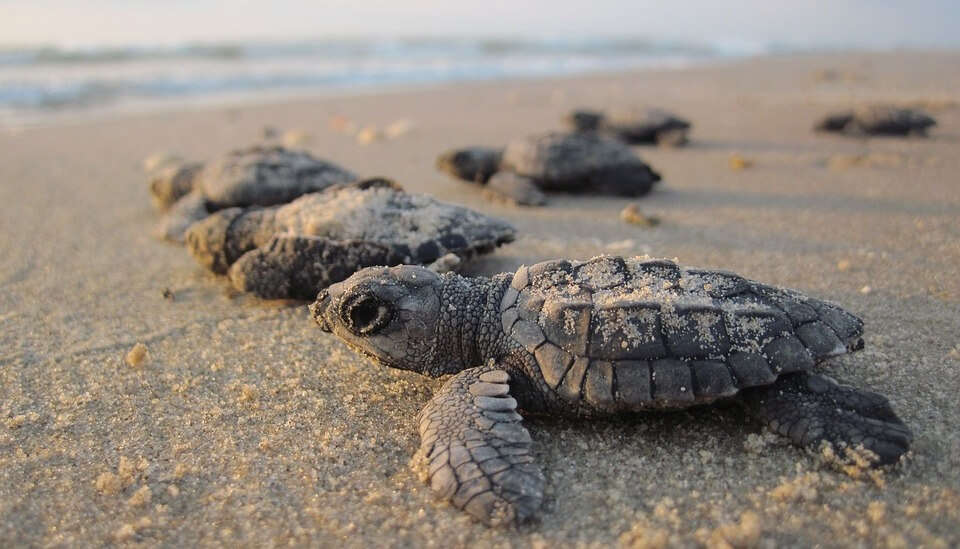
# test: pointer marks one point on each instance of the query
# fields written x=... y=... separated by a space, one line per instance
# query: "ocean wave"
x=347 y=47
x=45 y=79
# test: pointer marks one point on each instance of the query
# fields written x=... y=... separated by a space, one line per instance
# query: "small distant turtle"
x=646 y=127
x=878 y=120
x=254 y=176
x=578 y=162
x=590 y=339
x=297 y=249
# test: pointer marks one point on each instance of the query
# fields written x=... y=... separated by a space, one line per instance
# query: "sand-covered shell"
x=579 y=162
x=422 y=227
x=252 y=176
x=296 y=249
x=878 y=120
x=626 y=334
x=265 y=176
x=636 y=127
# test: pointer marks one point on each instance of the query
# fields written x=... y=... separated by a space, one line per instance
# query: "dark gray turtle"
x=878 y=120
x=297 y=249
x=597 y=338
x=255 y=176
x=578 y=162
x=646 y=127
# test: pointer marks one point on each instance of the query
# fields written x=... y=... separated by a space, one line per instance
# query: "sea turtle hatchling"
x=253 y=176
x=569 y=162
x=597 y=338
x=294 y=250
x=635 y=127
x=878 y=120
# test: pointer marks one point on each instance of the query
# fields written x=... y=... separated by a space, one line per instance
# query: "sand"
x=240 y=423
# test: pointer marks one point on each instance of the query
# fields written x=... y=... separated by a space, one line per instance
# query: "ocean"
x=40 y=83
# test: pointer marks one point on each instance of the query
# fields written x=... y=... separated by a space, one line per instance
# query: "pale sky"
x=859 y=23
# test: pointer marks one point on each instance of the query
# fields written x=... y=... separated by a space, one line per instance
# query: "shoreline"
x=78 y=115
x=54 y=116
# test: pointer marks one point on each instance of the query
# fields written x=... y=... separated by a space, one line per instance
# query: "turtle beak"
x=319 y=310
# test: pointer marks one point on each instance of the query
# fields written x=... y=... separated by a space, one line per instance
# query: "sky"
x=810 y=23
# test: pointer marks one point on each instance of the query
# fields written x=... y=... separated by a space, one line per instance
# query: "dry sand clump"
x=738 y=162
x=631 y=214
x=137 y=356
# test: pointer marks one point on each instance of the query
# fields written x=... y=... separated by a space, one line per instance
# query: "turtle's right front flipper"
x=479 y=454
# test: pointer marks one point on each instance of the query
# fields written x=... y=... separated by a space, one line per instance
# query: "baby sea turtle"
x=589 y=339
x=296 y=249
x=645 y=127
x=878 y=120
x=578 y=162
x=255 y=176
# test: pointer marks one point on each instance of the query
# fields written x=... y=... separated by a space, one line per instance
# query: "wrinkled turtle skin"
x=878 y=120
x=566 y=162
x=254 y=176
x=594 y=339
x=294 y=250
x=646 y=127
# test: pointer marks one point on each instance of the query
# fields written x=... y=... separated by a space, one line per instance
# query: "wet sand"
x=244 y=425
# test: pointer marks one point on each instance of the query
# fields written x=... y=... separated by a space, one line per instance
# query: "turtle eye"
x=366 y=314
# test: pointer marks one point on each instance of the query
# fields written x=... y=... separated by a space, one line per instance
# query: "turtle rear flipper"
x=479 y=454
x=629 y=179
x=671 y=137
x=298 y=267
x=810 y=409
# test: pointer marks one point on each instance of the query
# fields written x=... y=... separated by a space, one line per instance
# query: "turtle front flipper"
x=810 y=408
x=182 y=214
x=478 y=452
x=298 y=267
x=514 y=189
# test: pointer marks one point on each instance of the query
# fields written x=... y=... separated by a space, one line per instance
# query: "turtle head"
x=475 y=164
x=171 y=180
x=390 y=314
x=583 y=120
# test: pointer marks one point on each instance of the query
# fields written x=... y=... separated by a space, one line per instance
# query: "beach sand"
x=242 y=424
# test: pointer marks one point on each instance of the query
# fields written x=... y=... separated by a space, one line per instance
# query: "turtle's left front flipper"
x=810 y=408
x=479 y=454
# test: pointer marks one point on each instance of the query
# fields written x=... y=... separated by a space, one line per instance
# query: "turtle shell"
x=416 y=227
x=420 y=227
x=878 y=120
x=621 y=334
x=891 y=120
x=631 y=126
x=265 y=176
x=579 y=162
